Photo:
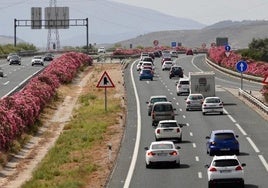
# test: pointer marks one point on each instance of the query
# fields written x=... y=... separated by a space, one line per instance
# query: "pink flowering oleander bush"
x=19 y=112
x=255 y=68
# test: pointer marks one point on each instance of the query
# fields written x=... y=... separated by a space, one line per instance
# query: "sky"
x=207 y=11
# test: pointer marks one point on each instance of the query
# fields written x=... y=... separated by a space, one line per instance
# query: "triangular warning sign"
x=265 y=80
x=105 y=81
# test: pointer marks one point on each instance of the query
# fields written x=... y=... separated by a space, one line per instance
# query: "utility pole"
x=53 y=33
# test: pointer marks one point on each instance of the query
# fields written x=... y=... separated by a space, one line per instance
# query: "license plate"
x=162 y=154
x=168 y=130
x=225 y=149
x=225 y=171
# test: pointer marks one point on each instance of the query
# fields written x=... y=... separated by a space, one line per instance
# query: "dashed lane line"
x=256 y=149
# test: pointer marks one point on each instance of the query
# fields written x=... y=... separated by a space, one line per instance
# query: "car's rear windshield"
x=184 y=82
x=163 y=108
x=224 y=136
x=196 y=97
x=213 y=100
x=158 y=100
x=146 y=71
x=169 y=124
x=225 y=162
x=162 y=146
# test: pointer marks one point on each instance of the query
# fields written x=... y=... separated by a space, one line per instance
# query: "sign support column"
x=105 y=82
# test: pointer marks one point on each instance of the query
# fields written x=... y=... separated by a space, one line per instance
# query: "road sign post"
x=241 y=66
x=105 y=82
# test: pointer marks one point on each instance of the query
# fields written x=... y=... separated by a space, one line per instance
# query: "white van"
x=162 y=111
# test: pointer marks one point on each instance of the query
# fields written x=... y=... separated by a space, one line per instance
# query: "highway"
x=15 y=75
x=130 y=170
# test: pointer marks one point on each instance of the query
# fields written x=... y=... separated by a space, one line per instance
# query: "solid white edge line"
x=253 y=145
x=263 y=162
x=137 y=143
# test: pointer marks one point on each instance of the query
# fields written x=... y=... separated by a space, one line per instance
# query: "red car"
x=189 y=52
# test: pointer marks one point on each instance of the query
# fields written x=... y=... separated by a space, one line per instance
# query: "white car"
x=37 y=60
x=212 y=105
x=162 y=152
x=168 y=130
x=147 y=64
x=225 y=170
x=101 y=50
x=183 y=86
x=167 y=65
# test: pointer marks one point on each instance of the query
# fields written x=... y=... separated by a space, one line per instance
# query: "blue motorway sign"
x=227 y=48
x=241 y=66
x=173 y=44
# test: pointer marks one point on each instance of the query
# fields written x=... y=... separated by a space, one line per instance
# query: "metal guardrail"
x=241 y=92
x=253 y=100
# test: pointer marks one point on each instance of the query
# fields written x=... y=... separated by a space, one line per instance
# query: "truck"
x=202 y=82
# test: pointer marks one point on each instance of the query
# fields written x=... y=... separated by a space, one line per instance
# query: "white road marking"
x=231 y=118
x=200 y=176
x=253 y=145
x=187 y=124
x=241 y=129
x=197 y=158
x=191 y=134
x=183 y=116
x=6 y=83
x=194 y=145
x=263 y=162
x=138 y=135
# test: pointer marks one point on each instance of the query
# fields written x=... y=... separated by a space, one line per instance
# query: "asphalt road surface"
x=130 y=170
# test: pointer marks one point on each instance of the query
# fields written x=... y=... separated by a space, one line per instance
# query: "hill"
x=239 y=34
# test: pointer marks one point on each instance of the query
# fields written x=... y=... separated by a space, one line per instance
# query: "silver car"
x=153 y=99
x=194 y=101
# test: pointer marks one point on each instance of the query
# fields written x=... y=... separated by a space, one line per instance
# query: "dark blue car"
x=146 y=74
x=222 y=142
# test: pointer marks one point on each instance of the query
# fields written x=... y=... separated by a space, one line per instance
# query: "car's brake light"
x=158 y=131
x=221 y=104
x=239 y=168
x=212 y=169
x=178 y=130
x=188 y=102
x=173 y=153
x=151 y=153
